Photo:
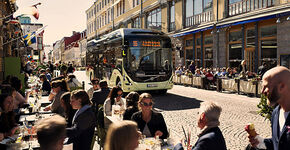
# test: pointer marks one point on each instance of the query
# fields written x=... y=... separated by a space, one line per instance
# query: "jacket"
x=156 y=123
x=211 y=139
x=82 y=131
x=100 y=96
x=279 y=141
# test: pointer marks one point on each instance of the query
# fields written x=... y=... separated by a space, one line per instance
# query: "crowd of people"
x=77 y=110
x=240 y=72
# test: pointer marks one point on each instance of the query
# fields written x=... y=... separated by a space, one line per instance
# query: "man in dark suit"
x=262 y=69
x=276 y=86
x=101 y=95
x=211 y=137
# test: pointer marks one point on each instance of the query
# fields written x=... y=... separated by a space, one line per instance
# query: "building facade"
x=10 y=34
x=35 y=50
x=211 y=33
x=57 y=51
x=83 y=48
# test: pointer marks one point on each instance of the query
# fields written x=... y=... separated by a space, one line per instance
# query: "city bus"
x=136 y=59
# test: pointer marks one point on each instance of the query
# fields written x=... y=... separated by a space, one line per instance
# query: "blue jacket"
x=212 y=139
x=279 y=141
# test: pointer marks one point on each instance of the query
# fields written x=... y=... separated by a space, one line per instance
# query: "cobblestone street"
x=180 y=107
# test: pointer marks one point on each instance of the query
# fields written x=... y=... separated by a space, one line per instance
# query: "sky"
x=62 y=17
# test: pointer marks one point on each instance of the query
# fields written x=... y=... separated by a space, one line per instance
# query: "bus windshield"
x=149 y=60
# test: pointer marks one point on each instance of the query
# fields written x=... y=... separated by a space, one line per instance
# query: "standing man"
x=101 y=95
x=51 y=68
x=276 y=86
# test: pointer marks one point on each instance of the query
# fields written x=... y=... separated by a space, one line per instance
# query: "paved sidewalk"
x=180 y=107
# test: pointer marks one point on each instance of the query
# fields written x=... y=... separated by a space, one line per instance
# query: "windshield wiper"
x=152 y=78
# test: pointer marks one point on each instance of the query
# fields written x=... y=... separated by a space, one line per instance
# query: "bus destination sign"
x=147 y=43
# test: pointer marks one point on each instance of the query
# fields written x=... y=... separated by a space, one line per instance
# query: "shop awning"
x=204 y=28
x=254 y=18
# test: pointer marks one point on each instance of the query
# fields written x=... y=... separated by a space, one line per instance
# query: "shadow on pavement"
x=175 y=102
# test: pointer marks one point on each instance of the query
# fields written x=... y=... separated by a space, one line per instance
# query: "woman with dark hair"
x=84 y=121
x=8 y=124
x=149 y=122
x=19 y=98
x=132 y=105
x=69 y=112
x=114 y=98
x=45 y=84
x=7 y=89
x=58 y=88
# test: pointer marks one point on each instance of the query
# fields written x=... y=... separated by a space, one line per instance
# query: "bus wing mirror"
x=124 y=51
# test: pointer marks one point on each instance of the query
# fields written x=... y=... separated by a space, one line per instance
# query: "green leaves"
x=265 y=109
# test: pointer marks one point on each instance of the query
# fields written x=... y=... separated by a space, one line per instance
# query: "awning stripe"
x=254 y=20
x=192 y=31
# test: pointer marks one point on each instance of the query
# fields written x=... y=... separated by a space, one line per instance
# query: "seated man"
x=211 y=137
x=51 y=133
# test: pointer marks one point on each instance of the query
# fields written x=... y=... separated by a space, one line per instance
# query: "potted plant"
x=265 y=109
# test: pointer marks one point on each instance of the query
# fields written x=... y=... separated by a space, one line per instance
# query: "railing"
x=249 y=5
x=199 y=18
x=172 y=26
x=222 y=84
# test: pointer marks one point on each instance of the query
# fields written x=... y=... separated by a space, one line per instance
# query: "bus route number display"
x=146 y=43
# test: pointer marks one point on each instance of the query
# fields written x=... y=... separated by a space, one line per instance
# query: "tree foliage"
x=265 y=109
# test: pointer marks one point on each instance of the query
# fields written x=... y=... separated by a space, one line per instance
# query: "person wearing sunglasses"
x=58 y=88
x=114 y=98
x=150 y=123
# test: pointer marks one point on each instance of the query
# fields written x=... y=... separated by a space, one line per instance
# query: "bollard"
x=83 y=85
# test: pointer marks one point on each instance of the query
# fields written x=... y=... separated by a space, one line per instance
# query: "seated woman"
x=150 y=123
x=8 y=124
x=69 y=112
x=114 y=98
x=122 y=136
x=84 y=121
x=58 y=88
x=72 y=82
x=45 y=85
x=132 y=105
x=19 y=98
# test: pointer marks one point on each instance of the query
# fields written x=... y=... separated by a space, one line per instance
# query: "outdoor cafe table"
x=146 y=143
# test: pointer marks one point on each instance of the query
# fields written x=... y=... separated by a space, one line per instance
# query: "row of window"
x=267 y=48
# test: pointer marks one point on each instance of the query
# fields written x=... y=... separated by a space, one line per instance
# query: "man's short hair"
x=50 y=130
x=211 y=110
x=103 y=84
x=94 y=80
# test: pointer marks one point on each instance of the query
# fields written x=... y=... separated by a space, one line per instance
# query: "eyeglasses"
x=146 y=104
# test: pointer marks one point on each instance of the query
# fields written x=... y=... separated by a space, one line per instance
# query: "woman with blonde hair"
x=128 y=131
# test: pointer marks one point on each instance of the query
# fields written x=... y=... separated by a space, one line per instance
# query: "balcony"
x=249 y=5
x=199 y=18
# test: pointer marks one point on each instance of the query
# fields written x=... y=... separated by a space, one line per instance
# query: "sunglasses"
x=146 y=104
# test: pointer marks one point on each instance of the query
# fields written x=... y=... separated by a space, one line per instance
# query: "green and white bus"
x=136 y=59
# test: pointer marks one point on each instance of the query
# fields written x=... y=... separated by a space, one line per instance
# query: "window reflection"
x=154 y=19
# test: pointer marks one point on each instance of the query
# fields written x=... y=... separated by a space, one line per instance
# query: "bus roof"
x=117 y=34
